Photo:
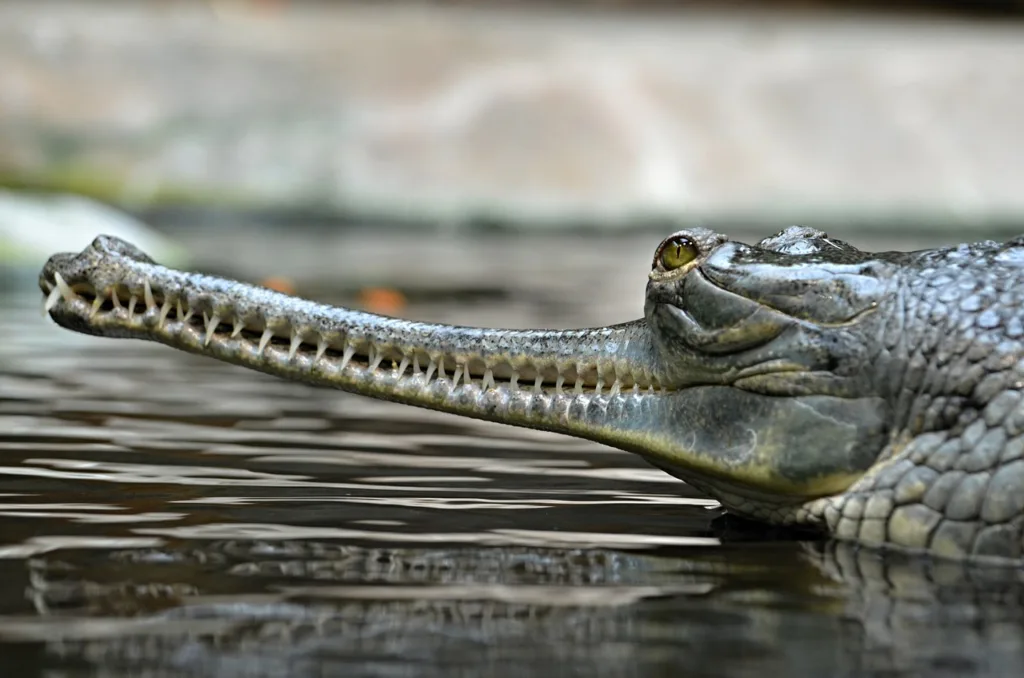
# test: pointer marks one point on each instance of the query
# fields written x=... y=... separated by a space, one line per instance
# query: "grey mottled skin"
x=797 y=381
x=948 y=360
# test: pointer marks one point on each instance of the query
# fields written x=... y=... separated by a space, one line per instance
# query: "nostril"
x=112 y=245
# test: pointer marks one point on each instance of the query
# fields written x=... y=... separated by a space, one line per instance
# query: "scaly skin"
x=876 y=396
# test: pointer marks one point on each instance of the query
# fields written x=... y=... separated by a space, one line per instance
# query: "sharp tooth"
x=415 y=364
x=349 y=352
x=645 y=378
x=616 y=388
x=378 y=356
x=236 y=327
x=114 y=298
x=51 y=300
x=457 y=376
x=636 y=389
x=559 y=382
x=165 y=309
x=180 y=311
x=597 y=389
x=147 y=294
x=188 y=316
x=132 y=301
x=537 y=382
x=321 y=348
x=440 y=368
x=264 y=340
x=431 y=368
x=402 y=367
x=65 y=291
x=293 y=348
x=211 y=326
x=513 y=383
x=579 y=385
x=488 y=381
x=96 y=303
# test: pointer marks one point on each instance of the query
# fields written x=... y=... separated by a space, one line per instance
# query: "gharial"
x=875 y=396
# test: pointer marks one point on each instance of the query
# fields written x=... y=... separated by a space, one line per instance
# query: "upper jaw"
x=113 y=290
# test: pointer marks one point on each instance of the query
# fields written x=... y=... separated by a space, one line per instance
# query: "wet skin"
x=875 y=396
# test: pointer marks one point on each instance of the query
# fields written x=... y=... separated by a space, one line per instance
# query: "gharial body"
x=876 y=396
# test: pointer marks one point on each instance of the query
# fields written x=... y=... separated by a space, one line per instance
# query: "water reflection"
x=228 y=524
x=253 y=607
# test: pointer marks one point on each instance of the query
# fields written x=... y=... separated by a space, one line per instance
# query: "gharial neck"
x=942 y=344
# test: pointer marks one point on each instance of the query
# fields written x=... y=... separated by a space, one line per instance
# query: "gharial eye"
x=676 y=252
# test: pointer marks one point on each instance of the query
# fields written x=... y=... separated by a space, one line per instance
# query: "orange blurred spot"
x=279 y=284
x=382 y=300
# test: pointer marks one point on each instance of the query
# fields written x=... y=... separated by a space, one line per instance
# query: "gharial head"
x=785 y=317
x=769 y=350
x=746 y=376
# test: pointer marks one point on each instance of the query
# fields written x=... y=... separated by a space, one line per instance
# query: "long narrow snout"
x=584 y=382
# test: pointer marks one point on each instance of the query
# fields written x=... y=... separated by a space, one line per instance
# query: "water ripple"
x=497 y=537
x=227 y=523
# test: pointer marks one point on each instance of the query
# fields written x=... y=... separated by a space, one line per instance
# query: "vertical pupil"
x=676 y=253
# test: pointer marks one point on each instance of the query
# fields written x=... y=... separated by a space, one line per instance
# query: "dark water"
x=164 y=515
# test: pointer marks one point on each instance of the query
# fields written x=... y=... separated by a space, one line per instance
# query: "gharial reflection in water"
x=229 y=524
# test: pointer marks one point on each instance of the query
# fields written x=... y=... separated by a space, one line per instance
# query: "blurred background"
x=487 y=163
x=423 y=143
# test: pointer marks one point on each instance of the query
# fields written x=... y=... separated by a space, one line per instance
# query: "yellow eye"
x=677 y=252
